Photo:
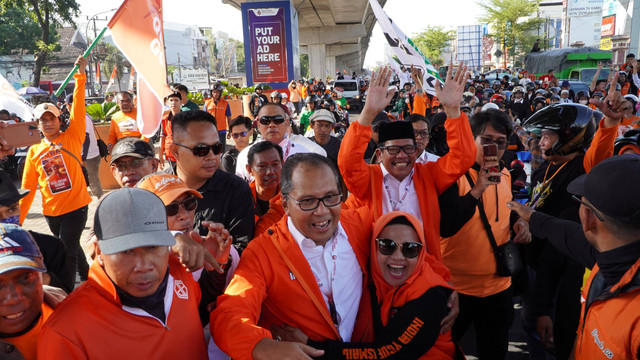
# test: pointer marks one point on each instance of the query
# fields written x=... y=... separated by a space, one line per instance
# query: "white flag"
x=404 y=48
x=11 y=101
x=393 y=64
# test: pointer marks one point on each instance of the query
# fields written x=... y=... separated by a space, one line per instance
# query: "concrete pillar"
x=317 y=62
x=331 y=66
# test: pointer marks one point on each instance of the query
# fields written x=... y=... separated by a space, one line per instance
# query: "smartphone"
x=491 y=161
x=21 y=134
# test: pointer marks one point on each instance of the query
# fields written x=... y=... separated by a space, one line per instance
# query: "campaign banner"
x=268 y=45
x=608 y=26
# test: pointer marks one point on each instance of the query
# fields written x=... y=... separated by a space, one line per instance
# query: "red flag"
x=138 y=32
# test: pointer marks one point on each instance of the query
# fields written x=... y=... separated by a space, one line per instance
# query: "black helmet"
x=631 y=137
x=488 y=92
x=276 y=94
x=537 y=82
x=217 y=86
x=259 y=87
x=530 y=86
x=328 y=102
x=311 y=99
x=539 y=100
x=495 y=83
x=575 y=124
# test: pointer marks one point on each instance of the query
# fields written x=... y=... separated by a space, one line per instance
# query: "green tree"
x=48 y=14
x=113 y=58
x=512 y=24
x=18 y=31
x=431 y=41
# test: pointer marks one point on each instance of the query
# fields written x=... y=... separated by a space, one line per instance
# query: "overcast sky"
x=411 y=15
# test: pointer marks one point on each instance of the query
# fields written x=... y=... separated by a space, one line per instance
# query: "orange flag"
x=138 y=32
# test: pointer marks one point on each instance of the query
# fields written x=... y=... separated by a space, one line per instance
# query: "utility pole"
x=179 y=69
x=634 y=43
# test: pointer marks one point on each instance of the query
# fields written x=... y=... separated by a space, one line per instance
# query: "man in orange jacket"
x=316 y=256
x=219 y=108
x=399 y=183
x=138 y=296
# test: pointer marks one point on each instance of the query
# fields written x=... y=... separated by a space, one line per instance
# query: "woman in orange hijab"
x=409 y=299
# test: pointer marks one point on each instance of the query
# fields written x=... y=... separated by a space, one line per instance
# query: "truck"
x=578 y=64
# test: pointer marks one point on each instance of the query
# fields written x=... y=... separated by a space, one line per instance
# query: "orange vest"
x=219 y=111
x=625 y=89
x=468 y=253
x=168 y=138
x=91 y=324
x=609 y=321
x=267 y=289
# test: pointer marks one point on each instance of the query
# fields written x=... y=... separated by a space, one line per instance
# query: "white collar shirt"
x=338 y=275
x=426 y=157
x=399 y=195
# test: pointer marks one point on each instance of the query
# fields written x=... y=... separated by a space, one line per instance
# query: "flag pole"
x=75 y=68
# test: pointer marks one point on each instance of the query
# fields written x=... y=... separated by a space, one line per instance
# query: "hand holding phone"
x=491 y=161
x=21 y=134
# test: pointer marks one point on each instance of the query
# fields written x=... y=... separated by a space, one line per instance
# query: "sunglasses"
x=267 y=120
x=388 y=247
x=203 y=149
x=131 y=164
x=240 y=134
x=395 y=149
x=189 y=204
x=502 y=144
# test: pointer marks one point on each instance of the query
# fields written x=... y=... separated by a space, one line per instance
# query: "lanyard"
x=402 y=198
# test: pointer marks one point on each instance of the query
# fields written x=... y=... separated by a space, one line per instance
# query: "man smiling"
x=399 y=183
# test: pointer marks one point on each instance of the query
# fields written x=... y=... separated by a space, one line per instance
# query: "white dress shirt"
x=399 y=195
x=291 y=144
x=426 y=157
x=337 y=272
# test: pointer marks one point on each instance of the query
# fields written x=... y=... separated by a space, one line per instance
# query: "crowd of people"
x=316 y=237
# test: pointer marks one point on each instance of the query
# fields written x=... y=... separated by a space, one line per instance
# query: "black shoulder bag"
x=102 y=147
x=508 y=260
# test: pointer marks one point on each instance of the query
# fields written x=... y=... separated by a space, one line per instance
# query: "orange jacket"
x=420 y=104
x=609 y=320
x=267 y=289
x=364 y=181
x=91 y=324
x=124 y=125
x=219 y=110
x=273 y=215
x=63 y=190
x=601 y=146
x=468 y=253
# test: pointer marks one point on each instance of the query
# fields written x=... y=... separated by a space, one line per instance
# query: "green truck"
x=578 y=64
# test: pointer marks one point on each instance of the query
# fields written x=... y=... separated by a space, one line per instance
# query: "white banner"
x=194 y=79
x=11 y=101
x=404 y=48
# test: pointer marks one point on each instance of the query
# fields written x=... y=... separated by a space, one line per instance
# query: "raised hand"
x=378 y=96
x=82 y=64
x=450 y=94
x=611 y=106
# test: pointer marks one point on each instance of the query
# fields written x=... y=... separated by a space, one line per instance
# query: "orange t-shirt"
x=27 y=343
x=55 y=171
x=124 y=125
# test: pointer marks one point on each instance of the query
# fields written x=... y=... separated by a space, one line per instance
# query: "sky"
x=412 y=16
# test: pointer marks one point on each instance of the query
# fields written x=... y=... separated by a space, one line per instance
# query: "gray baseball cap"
x=131 y=146
x=322 y=115
x=130 y=218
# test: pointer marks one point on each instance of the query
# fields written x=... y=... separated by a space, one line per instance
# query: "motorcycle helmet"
x=631 y=137
x=575 y=125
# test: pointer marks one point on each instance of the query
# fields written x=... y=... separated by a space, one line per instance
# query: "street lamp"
x=86 y=34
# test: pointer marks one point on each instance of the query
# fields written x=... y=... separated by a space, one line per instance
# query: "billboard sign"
x=608 y=26
x=268 y=45
x=194 y=79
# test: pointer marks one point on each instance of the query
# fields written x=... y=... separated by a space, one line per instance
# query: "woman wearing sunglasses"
x=409 y=299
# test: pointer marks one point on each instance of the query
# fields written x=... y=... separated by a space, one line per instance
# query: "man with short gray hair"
x=138 y=296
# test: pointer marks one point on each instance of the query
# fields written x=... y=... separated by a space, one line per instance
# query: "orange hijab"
x=422 y=279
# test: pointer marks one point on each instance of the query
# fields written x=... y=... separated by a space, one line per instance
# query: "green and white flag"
x=405 y=49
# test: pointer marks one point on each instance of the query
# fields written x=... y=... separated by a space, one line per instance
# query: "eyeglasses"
x=203 y=149
x=422 y=133
x=266 y=120
x=591 y=207
x=388 y=247
x=310 y=204
x=240 y=134
x=189 y=204
x=131 y=164
x=485 y=140
x=395 y=149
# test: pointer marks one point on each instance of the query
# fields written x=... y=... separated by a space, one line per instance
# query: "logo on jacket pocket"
x=181 y=289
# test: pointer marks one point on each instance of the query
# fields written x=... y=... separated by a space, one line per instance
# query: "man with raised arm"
x=398 y=183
